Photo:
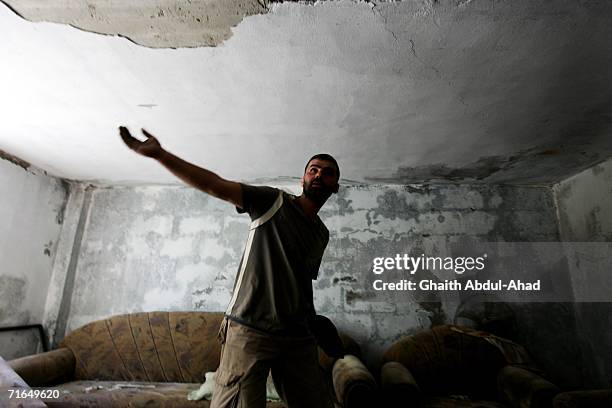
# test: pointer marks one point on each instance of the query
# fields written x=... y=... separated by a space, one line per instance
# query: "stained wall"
x=584 y=204
x=32 y=208
x=174 y=248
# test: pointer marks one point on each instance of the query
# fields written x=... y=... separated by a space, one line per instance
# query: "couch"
x=599 y=398
x=154 y=360
x=454 y=366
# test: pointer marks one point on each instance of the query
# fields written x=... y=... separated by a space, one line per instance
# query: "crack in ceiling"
x=401 y=92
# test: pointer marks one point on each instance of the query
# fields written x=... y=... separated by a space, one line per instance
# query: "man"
x=270 y=318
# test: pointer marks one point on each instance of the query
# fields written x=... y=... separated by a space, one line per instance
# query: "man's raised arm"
x=195 y=176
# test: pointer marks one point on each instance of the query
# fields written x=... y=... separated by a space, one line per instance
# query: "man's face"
x=320 y=180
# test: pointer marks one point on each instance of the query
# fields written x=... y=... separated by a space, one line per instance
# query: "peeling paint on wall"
x=171 y=248
x=174 y=248
x=12 y=293
x=415 y=219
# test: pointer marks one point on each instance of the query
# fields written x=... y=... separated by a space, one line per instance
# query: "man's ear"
x=336 y=187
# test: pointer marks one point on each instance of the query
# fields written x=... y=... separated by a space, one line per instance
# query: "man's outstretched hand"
x=148 y=148
x=202 y=179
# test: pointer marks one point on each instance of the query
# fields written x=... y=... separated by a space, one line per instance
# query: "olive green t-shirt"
x=273 y=287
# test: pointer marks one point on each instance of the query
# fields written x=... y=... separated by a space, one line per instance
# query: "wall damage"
x=30 y=205
x=174 y=248
x=159 y=24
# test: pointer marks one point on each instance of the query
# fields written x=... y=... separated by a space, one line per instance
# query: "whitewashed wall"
x=31 y=213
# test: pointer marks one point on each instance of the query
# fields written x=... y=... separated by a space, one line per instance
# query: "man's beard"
x=318 y=195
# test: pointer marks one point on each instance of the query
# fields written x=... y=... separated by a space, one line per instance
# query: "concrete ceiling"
x=400 y=92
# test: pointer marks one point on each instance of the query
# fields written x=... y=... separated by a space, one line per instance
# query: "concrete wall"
x=31 y=210
x=71 y=257
x=174 y=248
x=584 y=204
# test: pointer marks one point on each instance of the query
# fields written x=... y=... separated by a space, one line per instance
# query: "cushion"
x=450 y=360
x=156 y=346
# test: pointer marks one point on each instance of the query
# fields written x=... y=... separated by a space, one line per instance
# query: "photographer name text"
x=455 y=285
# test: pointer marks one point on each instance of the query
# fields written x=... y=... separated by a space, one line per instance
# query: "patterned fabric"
x=138 y=360
x=157 y=346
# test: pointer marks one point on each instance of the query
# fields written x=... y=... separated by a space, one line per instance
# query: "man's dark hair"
x=326 y=157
